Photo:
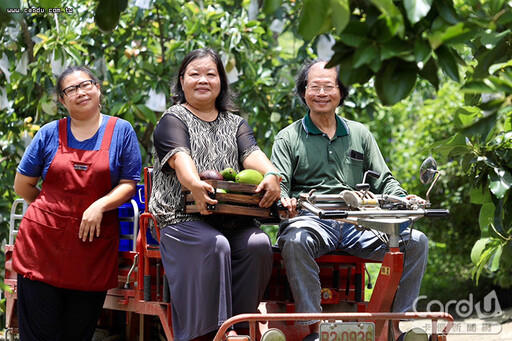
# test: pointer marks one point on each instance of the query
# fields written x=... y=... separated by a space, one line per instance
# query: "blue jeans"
x=306 y=237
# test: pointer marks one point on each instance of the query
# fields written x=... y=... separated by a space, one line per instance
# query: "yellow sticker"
x=385 y=270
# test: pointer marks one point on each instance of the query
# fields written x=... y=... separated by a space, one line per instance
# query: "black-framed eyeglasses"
x=87 y=85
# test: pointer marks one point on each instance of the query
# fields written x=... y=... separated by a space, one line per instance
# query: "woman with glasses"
x=66 y=250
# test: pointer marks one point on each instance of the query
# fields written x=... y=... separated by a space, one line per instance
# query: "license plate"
x=347 y=331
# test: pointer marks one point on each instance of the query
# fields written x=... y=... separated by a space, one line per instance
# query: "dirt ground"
x=474 y=329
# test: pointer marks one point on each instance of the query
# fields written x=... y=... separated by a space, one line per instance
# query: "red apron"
x=47 y=246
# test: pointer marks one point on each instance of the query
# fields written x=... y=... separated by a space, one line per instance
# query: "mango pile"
x=246 y=176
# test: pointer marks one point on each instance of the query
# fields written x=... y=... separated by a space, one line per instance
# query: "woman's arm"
x=26 y=187
x=258 y=160
x=91 y=219
x=188 y=176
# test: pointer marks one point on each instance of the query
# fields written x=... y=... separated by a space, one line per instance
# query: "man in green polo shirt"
x=328 y=153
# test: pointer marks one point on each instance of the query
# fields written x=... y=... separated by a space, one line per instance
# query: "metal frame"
x=374 y=317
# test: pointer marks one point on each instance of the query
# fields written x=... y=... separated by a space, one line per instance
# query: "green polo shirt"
x=307 y=159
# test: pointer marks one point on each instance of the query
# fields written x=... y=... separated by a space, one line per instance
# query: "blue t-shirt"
x=124 y=153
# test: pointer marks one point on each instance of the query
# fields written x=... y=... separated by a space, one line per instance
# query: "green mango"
x=107 y=15
x=249 y=176
x=228 y=174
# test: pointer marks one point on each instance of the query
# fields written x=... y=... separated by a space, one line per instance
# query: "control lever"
x=366 y=186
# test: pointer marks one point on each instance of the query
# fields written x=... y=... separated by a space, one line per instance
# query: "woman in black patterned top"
x=216 y=267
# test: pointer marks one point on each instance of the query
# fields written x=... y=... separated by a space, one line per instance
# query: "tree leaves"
x=365 y=55
x=270 y=6
x=500 y=182
x=6 y=15
x=447 y=62
x=486 y=216
x=422 y=50
x=395 y=81
x=340 y=14
x=382 y=36
x=486 y=251
x=392 y=15
x=417 y=9
x=477 y=250
x=466 y=116
x=313 y=16
x=429 y=72
x=453 y=34
x=317 y=14
x=46 y=4
x=446 y=11
x=455 y=145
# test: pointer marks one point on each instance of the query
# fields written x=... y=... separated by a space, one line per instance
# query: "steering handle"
x=436 y=213
x=335 y=214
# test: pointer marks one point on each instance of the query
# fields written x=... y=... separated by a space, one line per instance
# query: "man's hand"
x=414 y=199
x=291 y=205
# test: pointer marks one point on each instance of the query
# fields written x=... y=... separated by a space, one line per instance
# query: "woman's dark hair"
x=302 y=80
x=224 y=101
x=70 y=70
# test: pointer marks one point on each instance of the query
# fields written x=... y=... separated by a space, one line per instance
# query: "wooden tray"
x=241 y=199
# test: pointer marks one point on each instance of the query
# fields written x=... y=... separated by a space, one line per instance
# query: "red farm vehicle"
x=139 y=308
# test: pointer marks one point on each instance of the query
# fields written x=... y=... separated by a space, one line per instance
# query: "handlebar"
x=333 y=214
x=374 y=213
x=435 y=213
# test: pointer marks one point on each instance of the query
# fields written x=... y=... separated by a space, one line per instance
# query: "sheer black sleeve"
x=245 y=138
x=171 y=135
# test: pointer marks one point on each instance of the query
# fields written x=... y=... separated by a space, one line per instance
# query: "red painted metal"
x=252 y=319
x=385 y=289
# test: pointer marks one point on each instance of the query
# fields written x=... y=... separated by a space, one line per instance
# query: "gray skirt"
x=212 y=275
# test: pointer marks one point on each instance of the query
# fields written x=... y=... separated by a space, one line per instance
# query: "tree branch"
x=161 y=35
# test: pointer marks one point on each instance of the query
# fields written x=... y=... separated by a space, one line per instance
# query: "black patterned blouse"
x=225 y=142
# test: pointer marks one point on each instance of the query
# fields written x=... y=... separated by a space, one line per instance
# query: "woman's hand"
x=270 y=184
x=291 y=205
x=200 y=190
x=92 y=216
x=188 y=176
x=91 y=222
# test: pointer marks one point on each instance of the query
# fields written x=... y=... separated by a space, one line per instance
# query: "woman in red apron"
x=66 y=250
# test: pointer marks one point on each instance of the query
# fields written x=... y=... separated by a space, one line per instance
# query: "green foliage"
x=482 y=142
x=396 y=42
x=404 y=133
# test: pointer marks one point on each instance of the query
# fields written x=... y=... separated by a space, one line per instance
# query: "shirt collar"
x=310 y=127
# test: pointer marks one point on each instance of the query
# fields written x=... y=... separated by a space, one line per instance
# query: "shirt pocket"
x=353 y=171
